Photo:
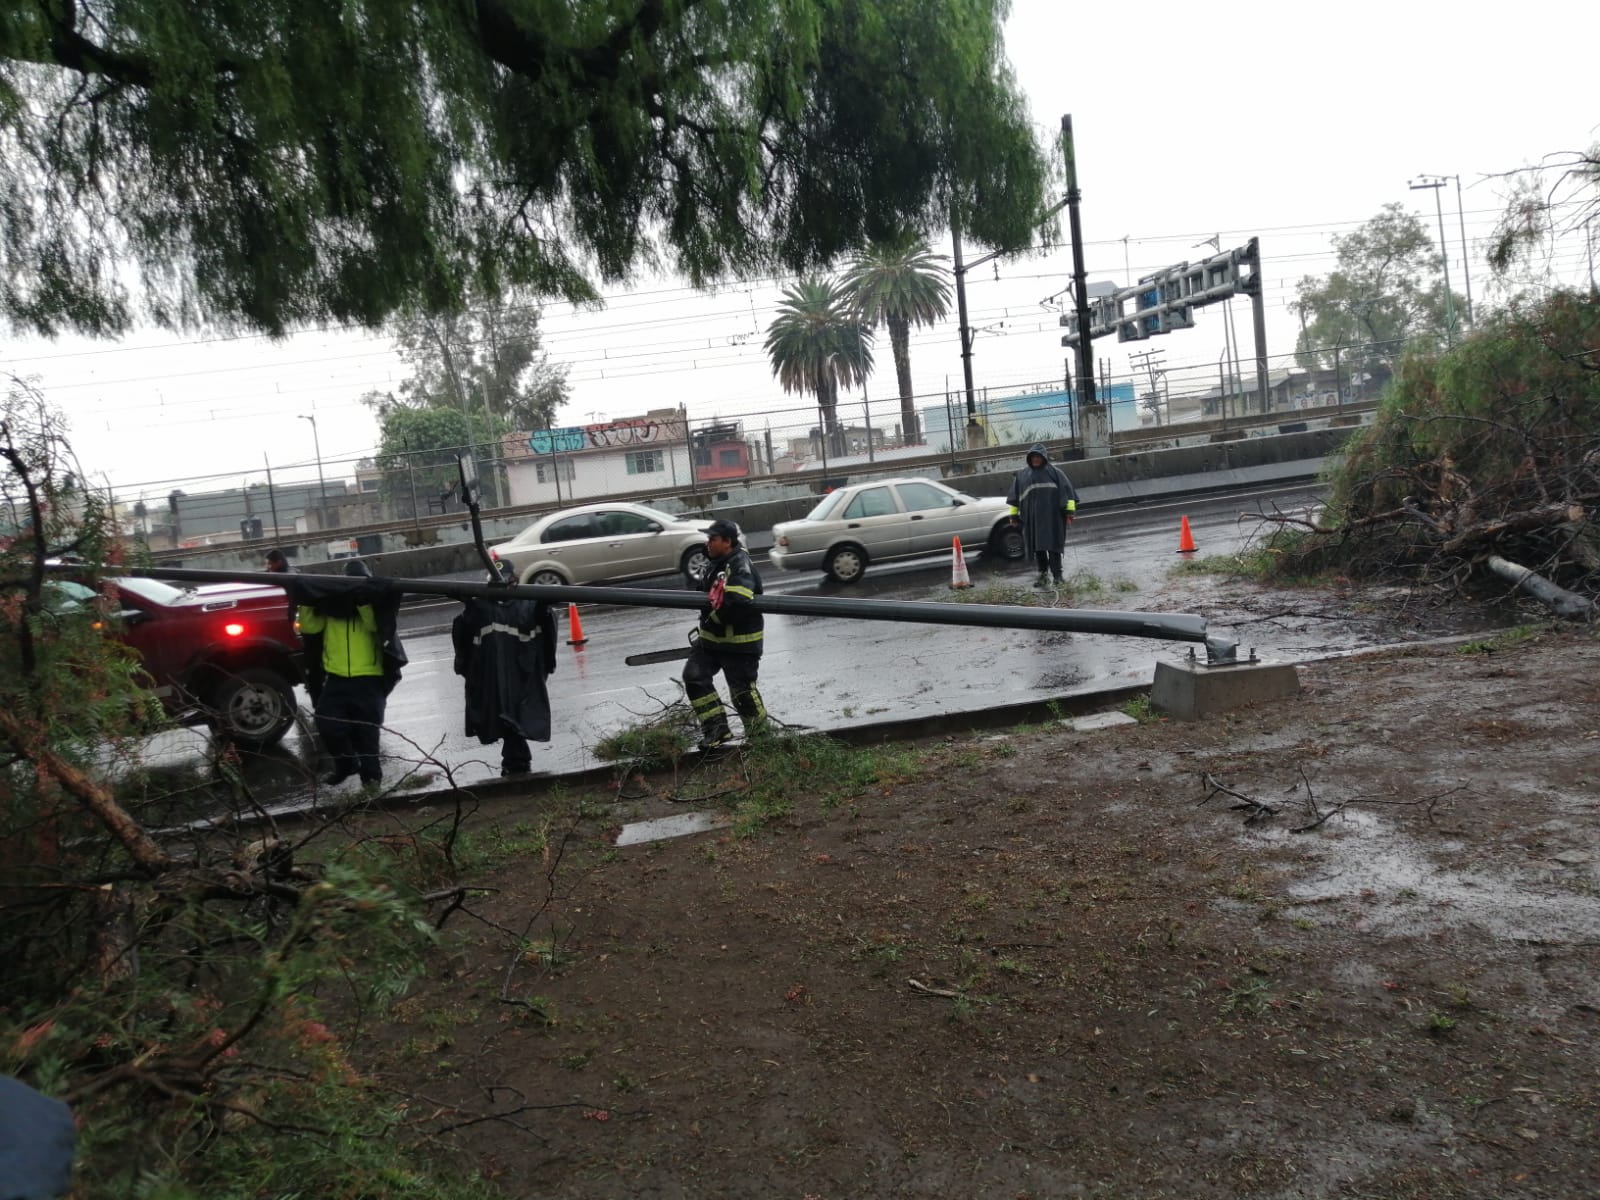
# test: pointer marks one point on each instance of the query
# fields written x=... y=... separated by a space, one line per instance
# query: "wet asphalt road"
x=818 y=672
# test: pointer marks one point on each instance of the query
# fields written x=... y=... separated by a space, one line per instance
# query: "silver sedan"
x=889 y=519
x=601 y=543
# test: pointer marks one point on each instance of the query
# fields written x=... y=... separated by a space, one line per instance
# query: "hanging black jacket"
x=505 y=649
x=730 y=622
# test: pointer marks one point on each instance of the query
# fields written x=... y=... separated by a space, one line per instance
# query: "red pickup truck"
x=223 y=654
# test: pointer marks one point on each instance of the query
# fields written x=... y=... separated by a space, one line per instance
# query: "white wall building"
x=582 y=462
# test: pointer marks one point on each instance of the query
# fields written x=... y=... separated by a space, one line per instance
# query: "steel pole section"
x=959 y=270
x=1080 y=275
x=1173 y=627
x=1258 y=311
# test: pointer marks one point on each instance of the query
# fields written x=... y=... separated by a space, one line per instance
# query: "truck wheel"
x=846 y=564
x=253 y=707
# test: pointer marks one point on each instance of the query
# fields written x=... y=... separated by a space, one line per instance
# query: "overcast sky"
x=1287 y=122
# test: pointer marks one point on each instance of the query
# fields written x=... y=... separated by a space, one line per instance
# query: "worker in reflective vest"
x=728 y=639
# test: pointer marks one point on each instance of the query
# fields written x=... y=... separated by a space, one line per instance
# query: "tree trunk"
x=900 y=343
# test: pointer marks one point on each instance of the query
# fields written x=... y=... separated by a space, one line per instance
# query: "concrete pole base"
x=1190 y=690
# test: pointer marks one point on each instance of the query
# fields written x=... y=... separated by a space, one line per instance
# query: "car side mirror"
x=133 y=616
x=654 y=527
x=959 y=502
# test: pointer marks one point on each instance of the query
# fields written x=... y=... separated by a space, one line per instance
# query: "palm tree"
x=902 y=283
x=817 y=344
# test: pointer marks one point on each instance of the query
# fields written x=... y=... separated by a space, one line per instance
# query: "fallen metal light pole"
x=1172 y=627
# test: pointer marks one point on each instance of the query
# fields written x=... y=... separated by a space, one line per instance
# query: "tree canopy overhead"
x=276 y=162
x=1384 y=293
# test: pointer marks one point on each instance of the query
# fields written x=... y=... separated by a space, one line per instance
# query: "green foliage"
x=1488 y=448
x=996 y=593
x=1520 y=393
x=417 y=449
x=657 y=744
x=780 y=770
x=276 y=164
x=197 y=1009
x=487 y=360
x=1559 y=196
x=1507 y=639
x=1382 y=297
x=1141 y=710
x=901 y=283
x=818 y=344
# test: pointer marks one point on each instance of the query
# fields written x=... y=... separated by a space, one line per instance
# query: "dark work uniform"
x=1042 y=497
x=505 y=650
x=730 y=638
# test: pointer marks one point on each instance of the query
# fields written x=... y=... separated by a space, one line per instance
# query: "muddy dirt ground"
x=1343 y=945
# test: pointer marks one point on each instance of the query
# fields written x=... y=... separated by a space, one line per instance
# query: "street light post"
x=322 y=485
x=1436 y=184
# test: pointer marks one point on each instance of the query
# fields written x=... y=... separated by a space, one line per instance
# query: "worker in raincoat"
x=1043 y=501
x=505 y=649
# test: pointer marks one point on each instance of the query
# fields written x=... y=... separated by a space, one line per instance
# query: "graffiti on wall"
x=630 y=431
x=605 y=435
x=557 y=441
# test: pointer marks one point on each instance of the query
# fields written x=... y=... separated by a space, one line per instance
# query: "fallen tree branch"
x=945 y=993
x=1258 y=810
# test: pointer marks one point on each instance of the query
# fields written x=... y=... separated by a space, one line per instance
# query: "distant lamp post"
x=322 y=485
x=1435 y=183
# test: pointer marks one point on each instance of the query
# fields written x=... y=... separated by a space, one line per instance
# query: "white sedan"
x=602 y=543
x=888 y=519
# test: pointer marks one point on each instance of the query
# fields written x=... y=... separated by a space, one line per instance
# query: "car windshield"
x=823 y=507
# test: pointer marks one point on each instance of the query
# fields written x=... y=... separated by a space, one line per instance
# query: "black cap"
x=359 y=569
x=723 y=529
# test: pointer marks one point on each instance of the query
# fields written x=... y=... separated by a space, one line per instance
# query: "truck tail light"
x=234 y=628
x=783 y=541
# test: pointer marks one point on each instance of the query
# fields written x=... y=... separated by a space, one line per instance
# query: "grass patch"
x=997 y=593
x=1141 y=710
x=780 y=770
x=657 y=744
x=1506 y=639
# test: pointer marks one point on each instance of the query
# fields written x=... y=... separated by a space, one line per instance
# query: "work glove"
x=719 y=589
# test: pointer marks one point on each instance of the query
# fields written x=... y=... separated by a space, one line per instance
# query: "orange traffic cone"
x=1185 y=538
x=576 y=626
x=958 y=567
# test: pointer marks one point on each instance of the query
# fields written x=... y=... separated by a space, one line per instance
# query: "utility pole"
x=1096 y=433
x=1466 y=259
x=960 y=272
x=1150 y=361
x=1436 y=184
x=272 y=496
x=322 y=484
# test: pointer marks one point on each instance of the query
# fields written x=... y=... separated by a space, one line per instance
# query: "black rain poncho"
x=506 y=649
x=1041 y=497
